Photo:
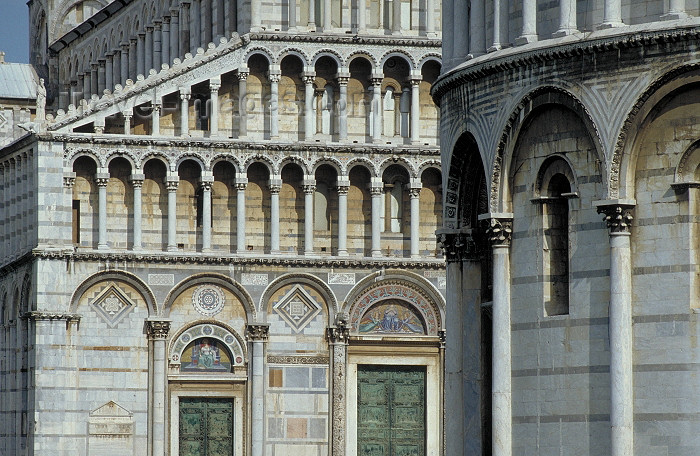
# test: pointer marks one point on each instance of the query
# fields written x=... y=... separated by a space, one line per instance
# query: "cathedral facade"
x=218 y=232
x=570 y=149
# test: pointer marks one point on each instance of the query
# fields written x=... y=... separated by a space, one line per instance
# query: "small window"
x=76 y=221
x=556 y=246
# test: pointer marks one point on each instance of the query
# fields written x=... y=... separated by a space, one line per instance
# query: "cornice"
x=354 y=39
x=632 y=39
x=264 y=260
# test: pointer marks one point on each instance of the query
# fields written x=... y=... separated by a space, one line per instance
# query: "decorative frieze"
x=39 y=316
x=293 y=359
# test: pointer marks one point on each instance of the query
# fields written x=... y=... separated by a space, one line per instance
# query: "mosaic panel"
x=391 y=317
x=218 y=340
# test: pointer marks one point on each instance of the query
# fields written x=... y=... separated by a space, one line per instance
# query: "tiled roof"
x=18 y=80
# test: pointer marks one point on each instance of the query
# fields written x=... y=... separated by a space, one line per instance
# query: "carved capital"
x=241 y=186
x=343 y=189
x=171 y=185
x=275 y=189
x=214 y=87
x=499 y=230
x=343 y=80
x=101 y=181
x=414 y=192
x=136 y=183
x=617 y=215
x=338 y=334
x=274 y=77
x=257 y=332
x=457 y=245
x=376 y=82
x=442 y=334
x=375 y=190
x=206 y=185
x=157 y=329
x=309 y=188
x=68 y=180
x=242 y=75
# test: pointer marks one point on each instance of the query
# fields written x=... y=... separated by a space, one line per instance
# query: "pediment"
x=110 y=409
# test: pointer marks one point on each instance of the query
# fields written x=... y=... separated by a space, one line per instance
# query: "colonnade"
x=475 y=43
x=377 y=190
x=16 y=182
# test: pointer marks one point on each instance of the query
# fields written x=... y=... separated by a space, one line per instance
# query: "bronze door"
x=390 y=410
x=206 y=427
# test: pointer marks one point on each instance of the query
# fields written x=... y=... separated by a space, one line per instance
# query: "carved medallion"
x=208 y=300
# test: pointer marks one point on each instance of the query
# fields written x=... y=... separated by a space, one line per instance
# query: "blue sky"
x=14 y=33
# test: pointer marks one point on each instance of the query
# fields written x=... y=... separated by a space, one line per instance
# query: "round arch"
x=118 y=275
x=218 y=279
x=208 y=329
x=302 y=278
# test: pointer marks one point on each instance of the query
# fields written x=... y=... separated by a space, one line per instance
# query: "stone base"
x=564 y=32
x=674 y=16
x=609 y=25
x=525 y=39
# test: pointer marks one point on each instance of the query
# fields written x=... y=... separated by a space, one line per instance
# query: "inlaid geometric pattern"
x=297 y=308
x=208 y=300
x=112 y=304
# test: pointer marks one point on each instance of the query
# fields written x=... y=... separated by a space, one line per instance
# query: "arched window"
x=321 y=213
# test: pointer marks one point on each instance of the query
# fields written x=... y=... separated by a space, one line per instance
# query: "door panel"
x=206 y=427
x=391 y=410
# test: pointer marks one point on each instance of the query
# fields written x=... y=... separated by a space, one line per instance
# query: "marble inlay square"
x=297 y=308
x=112 y=304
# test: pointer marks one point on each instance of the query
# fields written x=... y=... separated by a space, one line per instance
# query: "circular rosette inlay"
x=208 y=300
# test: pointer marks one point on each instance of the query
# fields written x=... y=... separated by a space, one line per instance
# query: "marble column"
x=674 y=10
x=109 y=72
x=255 y=23
x=133 y=58
x=220 y=21
x=309 y=186
x=499 y=232
x=612 y=14
x=157 y=330
x=117 y=67
x=343 y=77
x=125 y=63
x=127 y=122
x=529 y=30
x=214 y=85
x=232 y=17
x=141 y=54
x=242 y=101
x=257 y=334
x=102 y=179
x=327 y=10
x=165 y=41
x=430 y=18
x=185 y=43
x=415 y=110
x=155 y=118
x=377 y=191
x=195 y=25
x=477 y=28
x=274 y=104
x=312 y=16
x=241 y=184
x=157 y=45
x=309 y=127
x=396 y=17
x=206 y=22
x=206 y=183
x=94 y=83
x=338 y=336
x=618 y=217
x=567 y=18
x=500 y=24
x=84 y=84
x=171 y=185
x=275 y=187
x=136 y=181
x=185 y=95
x=149 y=50
x=343 y=188
x=376 y=109
x=292 y=21
x=174 y=33
x=361 y=15
x=414 y=193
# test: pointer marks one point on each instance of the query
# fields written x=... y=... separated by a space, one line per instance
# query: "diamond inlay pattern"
x=297 y=308
x=112 y=304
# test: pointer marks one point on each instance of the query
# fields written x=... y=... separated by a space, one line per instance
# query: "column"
x=241 y=183
x=93 y=79
x=312 y=16
x=165 y=41
x=414 y=193
x=309 y=127
x=196 y=25
x=220 y=21
x=396 y=17
x=101 y=179
x=477 y=29
x=157 y=330
x=117 y=67
x=174 y=33
x=430 y=18
x=327 y=15
x=84 y=84
x=529 y=33
x=499 y=232
x=141 y=54
x=137 y=182
x=155 y=117
x=309 y=185
x=127 y=122
x=496 y=44
x=376 y=190
x=567 y=18
x=101 y=76
x=275 y=187
x=343 y=78
x=274 y=103
x=185 y=43
x=415 y=110
x=257 y=333
x=338 y=336
x=171 y=185
x=376 y=109
x=451 y=14
x=675 y=10
x=255 y=15
x=242 y=99
x=125 y=62
x=205 y=10
x=206 y=182
x=612 y=14
x=109 y=73
x=343 y=188
x=157 y=45
x=361 y=15
x=618 y=216
x=292 y=14
x=133 y=58
x=185 y=95
x=149 y=50
x=214 y=85
x=231 y=17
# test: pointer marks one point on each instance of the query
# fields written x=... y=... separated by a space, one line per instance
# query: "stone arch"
x=434 y=164
x=259 y=50
x=122 y=154
x=297 y=160
x=295 y=52
x=396 y=284
x=534 y=100
x=327 y=53
x=195 y=158
x=330 y=161
x=218 y=279
x=264 y=160
x=623 y=157
x=203 y=328
x=401 y=161
x=552 y=165
x=75 y=154
x=365 y=163
x=437 y=58
x=303 y=278
x=153 y=155
x=226 y=158
x=686 y=171
x=116 y=274
x=400 y=53
x=363 y=55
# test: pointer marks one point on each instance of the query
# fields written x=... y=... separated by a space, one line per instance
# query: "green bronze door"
x=206 y=427
x=390 y=410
